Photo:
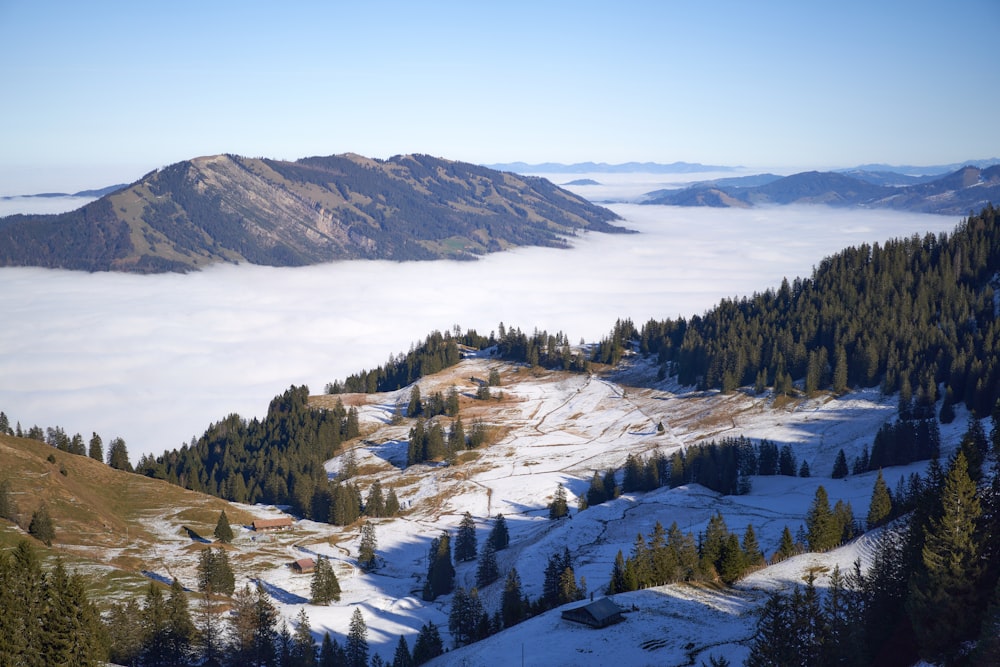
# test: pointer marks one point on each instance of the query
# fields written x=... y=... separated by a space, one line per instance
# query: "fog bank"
x=155 y=359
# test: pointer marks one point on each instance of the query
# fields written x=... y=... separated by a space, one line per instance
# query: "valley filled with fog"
x=155 y=359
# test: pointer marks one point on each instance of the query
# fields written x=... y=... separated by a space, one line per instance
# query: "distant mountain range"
x=100 y=192
x=319 y=209
x=957 y=193
x=605 y=168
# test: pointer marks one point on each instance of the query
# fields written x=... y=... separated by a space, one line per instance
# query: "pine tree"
x=214 y=573
x=619 y=582
x=416 y=407
x=465 y=542
x=223 y=531
x=303 y=650
x=96 y=448
x=428 y=644
x=356 y=646
x=487 y=571
x=840 y=470
x=42 y=527
x=155 y=643
x=772 y=645
x=375 y=504
x=324 y=587
x=945 y=595
x=366 y=550
x=118 y=455
x=179 y=628
x=880 y=509
x=558 y=508
x=440 y=570
x=402 y=656
x=822 y=533
x=391 y=503
x=786 y=547
x=751 y=548
x=499 y=535
x=512 y=609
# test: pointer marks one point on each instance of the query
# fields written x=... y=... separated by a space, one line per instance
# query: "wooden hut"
x=261 y=525
x=303 y=566
x=597 y=614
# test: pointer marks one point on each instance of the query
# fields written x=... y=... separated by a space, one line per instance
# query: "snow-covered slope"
x=560 y=428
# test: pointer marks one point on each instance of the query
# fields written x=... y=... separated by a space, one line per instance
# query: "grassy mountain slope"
x=234 y=209
x=114 y=524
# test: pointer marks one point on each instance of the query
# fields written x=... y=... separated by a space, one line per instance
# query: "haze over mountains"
x=959 y=192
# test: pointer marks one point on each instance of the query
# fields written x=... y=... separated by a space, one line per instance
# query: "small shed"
x=597 y=614
x=303 y=566
x=261 y=525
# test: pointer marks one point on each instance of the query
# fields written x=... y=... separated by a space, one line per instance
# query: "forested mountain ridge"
x=957 y=193
x=319 y=209
x=918 y=316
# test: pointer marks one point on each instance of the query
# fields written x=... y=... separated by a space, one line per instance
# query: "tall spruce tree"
x=499 y=535
x=487 y=571
x=465 y=541
x=558 y=508
x=880 y=508
x=324 y=587
x=366 y=551
x=223 y=531
x=356 y=646
x=945 y=601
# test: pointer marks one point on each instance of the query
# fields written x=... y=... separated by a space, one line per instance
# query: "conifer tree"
x=465 y=541
x=96 y=448
x=498 y=534
x=487 y=571
x=366 y=550
x=356 y=646
x=118 y=455
x=786 y=547
x=880 y=509
x=303 y=649
x=772 y=641
x=944 y=595
x=180 y=630
x=375 y=504
x=512 y=609
x=840 y=470
x=391 y=503
x=558 y=508
x=751 y=548
x=428 y=644
x=619 y=582
x=324 y=587
x=223 y=531
x=402 y=656
x=42 y=528
x=822 y=532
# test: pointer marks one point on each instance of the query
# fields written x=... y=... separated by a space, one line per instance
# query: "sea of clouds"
x=156 y=359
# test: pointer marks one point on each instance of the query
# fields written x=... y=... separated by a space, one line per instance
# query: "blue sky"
x=97 y=93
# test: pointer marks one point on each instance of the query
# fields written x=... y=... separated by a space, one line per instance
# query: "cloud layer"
x=155 y=359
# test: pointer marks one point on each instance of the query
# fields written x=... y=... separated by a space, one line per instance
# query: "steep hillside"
x=115 y=524
x=234 y=209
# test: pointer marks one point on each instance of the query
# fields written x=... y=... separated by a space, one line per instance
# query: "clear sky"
x=101 y=92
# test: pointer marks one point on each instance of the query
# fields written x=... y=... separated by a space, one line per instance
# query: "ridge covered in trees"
x=910 y=316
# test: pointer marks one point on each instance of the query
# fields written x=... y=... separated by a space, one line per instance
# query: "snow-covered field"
x=561 y=428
